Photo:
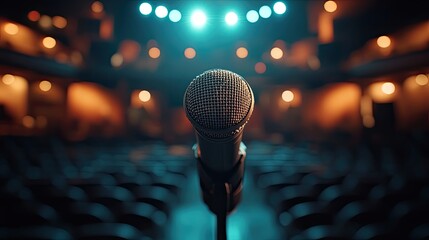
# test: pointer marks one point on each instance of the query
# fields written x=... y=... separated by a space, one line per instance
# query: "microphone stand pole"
x=221 y=190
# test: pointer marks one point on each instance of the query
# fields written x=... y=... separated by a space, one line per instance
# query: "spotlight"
x=265 y=12
x=175 y=15
x=231 y=18
x=252 y=16
x=161 y=11
x=279 y=8
x=198 y=19
x=145 y=8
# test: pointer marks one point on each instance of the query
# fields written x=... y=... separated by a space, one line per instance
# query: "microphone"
x=219 y=103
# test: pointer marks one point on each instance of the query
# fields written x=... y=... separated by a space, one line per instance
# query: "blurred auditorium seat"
x=45 y=232
x=109 y=231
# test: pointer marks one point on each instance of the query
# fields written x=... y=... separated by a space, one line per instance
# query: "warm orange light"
x=144 y=96
x=276 y=53
x=28 y=121
x=33 y=16
x=242 y=52
x=330 y=6
x=154 y=52
x=11 y=29
x=422 y=79
x=260 y=67
x=287 y=96
x=59 y=22
x=383 y=41
x=388 y=88
x=116 y=60
x=97 y=7
x=49 y=42
x=45 y=85
x=8 y=79
x=368 y=121
x=190 y=53
x=45 y=21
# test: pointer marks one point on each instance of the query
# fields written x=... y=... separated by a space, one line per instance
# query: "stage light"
x=279 y=8
x=260 y=67
x=252 y=16
x=265 y=12
x=144 y=96
x=288 y=96
x=231 y=18
x=276 y=53
x=330 y=6
x=45 y=86
x=11 y=29
x=241 y=52
x=175 y=15
x=161 y=11
x=388 y=88
x=383 y=41
x=49 y=42
x=198 y=19
x=422 y=79
x=154 y=52
x=145 y=8
x=97 y=7
x=33 y=16
x=190 y=53
x=8 y=79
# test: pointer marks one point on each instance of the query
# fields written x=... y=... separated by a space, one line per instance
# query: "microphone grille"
x=218 y=103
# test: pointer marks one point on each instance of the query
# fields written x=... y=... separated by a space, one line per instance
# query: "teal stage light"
x=161 y=11
x=265 y=12
x=279 y=8
x=145 y=8
x=231 y=18
x=252 y=16
x=175 y=15
x=198 y=19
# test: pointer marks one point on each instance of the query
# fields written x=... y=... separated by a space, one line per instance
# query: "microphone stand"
x=221 y=191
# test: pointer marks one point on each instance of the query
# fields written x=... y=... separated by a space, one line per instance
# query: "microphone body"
x=219 y=103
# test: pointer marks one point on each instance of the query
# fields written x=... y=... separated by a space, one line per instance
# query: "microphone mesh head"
x=218 y=103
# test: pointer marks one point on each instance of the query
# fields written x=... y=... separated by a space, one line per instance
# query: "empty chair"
x=334 y=198
x=321 y=232
x=159 y=197
x=28 y=214
x=112 y=197
x=289 y=196
x=273 y=181
x=144 y=217
x=86 y=213
x=420 y=232
x=407 y=215
x=109 y=231
x=35 y=233
x=376 y=231
x=171 y=181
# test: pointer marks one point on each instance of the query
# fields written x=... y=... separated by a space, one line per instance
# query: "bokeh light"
x=383 y=41
x=231 y=18
x=368 y=121
x=8 y=79
x=190 y=53
x=288 y=96
x=45 y=21
x=154 y=52
x=49 y=42
x=242 y=52
x=330 y=6
x=11 y=28
x=33 y=16
x=422 y=79
x=175 y=15
x=144 y=96
x=145 y=8
x=279 y=8
x=28 y=121
x=260 y=67
x=276 y=53
x=97 y=7
x=59 y=22
x=265 y=11
x=117 y=60
x=198 y=19
x=388 y=88
x=161 y=11
x=45 y=85
x=252 y=16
